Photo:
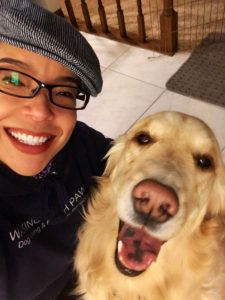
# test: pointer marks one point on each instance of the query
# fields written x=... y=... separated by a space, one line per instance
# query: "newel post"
x=169 y=28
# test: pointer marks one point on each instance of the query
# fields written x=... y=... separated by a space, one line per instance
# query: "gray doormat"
x=202 y=76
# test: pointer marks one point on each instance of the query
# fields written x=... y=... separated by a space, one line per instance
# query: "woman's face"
x=33 y=131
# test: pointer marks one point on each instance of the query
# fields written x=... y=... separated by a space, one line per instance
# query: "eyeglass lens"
x=18 y=84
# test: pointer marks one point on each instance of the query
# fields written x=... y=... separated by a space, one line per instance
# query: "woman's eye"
x=67 y=94
x=12 y=79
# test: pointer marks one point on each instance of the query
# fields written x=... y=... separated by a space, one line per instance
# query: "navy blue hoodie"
x=39 y=218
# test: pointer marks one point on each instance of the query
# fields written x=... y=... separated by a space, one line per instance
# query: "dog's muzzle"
x=154 y=203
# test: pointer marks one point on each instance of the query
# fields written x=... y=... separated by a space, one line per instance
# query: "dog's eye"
x=204 y=162
x=143 y=138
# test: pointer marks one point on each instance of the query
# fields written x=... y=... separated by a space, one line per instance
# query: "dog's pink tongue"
x=137 y=249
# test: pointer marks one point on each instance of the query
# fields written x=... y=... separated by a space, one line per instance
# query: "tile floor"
x=134 y=86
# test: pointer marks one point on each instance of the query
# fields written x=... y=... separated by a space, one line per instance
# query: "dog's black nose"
x=155 y=200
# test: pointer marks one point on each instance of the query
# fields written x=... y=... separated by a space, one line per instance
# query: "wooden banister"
x=166 y=41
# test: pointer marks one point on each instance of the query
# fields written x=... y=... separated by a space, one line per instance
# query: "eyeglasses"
x=18 y=84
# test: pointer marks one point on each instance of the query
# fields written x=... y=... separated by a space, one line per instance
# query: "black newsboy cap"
x=26 y=25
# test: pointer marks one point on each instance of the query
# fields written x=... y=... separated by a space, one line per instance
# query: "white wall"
x=51 y=5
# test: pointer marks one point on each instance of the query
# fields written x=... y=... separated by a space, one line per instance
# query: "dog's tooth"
x=121 y=259
x=120 y=246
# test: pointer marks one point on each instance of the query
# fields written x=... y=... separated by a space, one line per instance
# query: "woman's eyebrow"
x=13 y=61
x=69 y=79
x=66 y=79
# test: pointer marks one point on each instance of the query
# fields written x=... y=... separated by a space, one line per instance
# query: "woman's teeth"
x=29 y=139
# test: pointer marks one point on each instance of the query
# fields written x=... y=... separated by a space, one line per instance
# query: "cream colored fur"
x=191 y=264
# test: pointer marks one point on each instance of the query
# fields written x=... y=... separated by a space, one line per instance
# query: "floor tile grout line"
x=142 y=114
x=160 y=87
x=115 y=59
x=143 y=81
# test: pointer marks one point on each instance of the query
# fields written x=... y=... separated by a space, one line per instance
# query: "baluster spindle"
x=121 y=21
x=71 y=14
x=102 y=15
x=169 y=28
x=59 y=12
x=86 y=15
x=141 y=23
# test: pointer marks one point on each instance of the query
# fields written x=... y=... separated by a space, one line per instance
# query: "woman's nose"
x=40 y=107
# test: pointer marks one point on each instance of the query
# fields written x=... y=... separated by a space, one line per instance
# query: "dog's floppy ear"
x=113 y=156
x=217 y=195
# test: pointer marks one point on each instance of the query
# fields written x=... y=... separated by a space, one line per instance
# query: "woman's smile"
x=29 y=142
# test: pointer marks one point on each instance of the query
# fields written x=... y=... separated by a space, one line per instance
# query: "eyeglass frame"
x=49 y=87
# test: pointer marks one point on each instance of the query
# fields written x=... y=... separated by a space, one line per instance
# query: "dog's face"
x=168 y=176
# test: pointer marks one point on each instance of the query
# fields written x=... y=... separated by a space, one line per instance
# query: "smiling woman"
x=31 y=110
x=47 y=72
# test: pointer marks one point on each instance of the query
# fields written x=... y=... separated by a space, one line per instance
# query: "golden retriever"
x=155 y=228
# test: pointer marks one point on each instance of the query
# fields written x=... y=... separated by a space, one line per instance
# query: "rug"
x=202 y=76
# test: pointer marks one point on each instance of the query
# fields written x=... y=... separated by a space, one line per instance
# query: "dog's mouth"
x=136 y=250
x=154 y=204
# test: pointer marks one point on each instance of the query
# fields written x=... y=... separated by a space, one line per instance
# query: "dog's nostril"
x=142 y=204
x=164 y=208
x=142 y=201
x=164 y=212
